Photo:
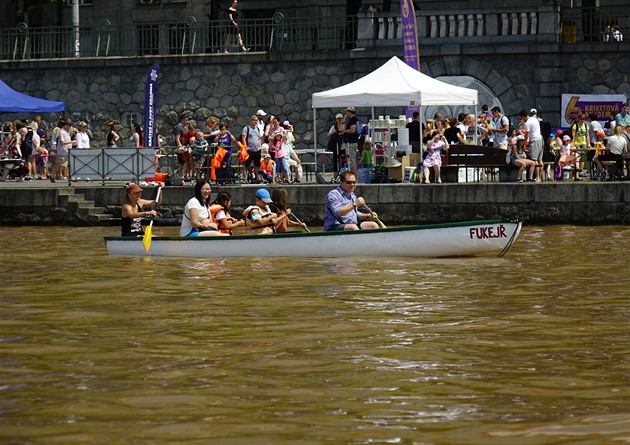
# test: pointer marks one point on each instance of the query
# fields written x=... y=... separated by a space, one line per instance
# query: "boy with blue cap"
x=259 y=217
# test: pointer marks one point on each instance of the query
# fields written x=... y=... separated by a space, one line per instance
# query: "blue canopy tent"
x=13 y=102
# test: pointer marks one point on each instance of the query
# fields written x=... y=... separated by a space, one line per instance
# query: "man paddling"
x=342 y=207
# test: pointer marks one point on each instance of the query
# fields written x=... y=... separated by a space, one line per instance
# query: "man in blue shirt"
x=341 y=207
x=623 y=118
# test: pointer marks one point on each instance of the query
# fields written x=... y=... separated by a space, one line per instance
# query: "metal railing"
x=177 y=38
x=106 y=39
x=594 y=24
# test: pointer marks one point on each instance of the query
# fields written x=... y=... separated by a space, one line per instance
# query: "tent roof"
x=395 y=84
x=14 y=102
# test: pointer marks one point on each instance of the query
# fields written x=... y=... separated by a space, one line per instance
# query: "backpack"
x=359 y=128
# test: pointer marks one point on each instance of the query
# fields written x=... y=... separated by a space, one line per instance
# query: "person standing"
x=341 y=212
x=252 y=139
x=350 y=135
x=182 y=154
x=261 y=124
x=63 y=151
x=83 y=140
x=335 y=141
x=232 y=30
x=415 y=133
x=501 y=128
x=136 y=135
x=534 y=138
x=112 y=136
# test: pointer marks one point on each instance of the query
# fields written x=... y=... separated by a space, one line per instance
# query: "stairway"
x=84 y=209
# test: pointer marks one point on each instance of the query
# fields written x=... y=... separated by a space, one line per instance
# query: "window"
x=81 y=2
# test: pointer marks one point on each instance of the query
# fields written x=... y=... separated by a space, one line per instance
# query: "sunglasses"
x=350 y=182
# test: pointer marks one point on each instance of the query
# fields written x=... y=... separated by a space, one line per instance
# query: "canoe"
x=435 y=240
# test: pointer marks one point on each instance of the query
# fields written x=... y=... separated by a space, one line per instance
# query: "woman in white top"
x=196 y=220
x=83 y=140
x=617 y=147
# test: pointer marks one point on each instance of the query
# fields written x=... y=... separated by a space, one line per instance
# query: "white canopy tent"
x=393 y=84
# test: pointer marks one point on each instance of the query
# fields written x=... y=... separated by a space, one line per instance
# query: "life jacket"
x=266 y=165
x=214 y=209
x=242 y=153
x=217 y=161
x=250 y=213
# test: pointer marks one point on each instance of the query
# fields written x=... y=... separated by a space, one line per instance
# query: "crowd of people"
x=30 y=150
x=266 y=147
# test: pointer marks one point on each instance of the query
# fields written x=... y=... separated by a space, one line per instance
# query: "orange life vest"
x=216 y=162
x=214 y=209
x=266 y=165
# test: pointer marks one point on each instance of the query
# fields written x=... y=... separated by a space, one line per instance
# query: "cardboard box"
x=406 y=161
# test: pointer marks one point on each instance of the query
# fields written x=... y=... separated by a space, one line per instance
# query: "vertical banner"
x=411 y=52
x=150 y=107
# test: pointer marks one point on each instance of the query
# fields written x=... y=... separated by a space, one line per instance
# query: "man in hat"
x=66 y=142
x=335 y=140
x=350 y=136
x=260 y=124
x=535 y=140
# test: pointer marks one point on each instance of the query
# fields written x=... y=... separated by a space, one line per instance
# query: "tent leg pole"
x=315 y=139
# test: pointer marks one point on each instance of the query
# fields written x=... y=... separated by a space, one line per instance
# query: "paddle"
x=300 y=222
x=380 y=223
x=146 y=239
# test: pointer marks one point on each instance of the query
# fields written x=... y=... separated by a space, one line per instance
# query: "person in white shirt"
x=83 y=140
x=535 y=140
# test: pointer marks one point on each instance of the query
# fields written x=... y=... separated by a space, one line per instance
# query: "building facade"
x=518 y=57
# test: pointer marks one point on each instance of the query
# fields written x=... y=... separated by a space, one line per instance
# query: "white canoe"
x=435 y=240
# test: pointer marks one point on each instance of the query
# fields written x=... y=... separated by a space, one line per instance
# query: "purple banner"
x=411 y=53
x=602 y=105
x=150 y=107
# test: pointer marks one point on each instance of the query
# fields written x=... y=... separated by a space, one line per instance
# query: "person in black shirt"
x=414 y=128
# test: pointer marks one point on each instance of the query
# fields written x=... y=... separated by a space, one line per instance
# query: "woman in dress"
x=233 y=30
x=433 y=158
x=133 y=210
x=196 y=220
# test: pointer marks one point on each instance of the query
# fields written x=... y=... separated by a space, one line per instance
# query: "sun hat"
x=566 y=137
x=264 y=195
x=350 y=109
x=520 y=137
x=533 y=111
x=261 y=113
x=339 y=116
x=68 y=122
x=133 y=188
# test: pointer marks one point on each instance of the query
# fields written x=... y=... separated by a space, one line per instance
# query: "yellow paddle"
x=380 y=223
x=146 y=239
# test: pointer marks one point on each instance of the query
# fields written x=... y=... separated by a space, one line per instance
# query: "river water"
x=532 y=348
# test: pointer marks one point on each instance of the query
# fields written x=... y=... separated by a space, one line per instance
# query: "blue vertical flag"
x=411 y=52
x=150 y=107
